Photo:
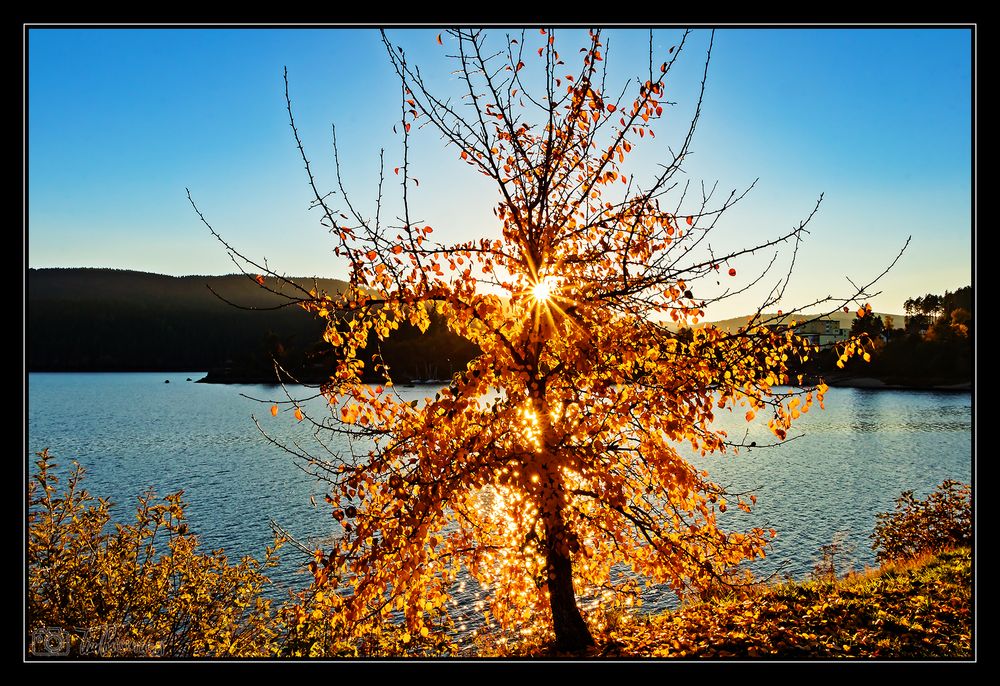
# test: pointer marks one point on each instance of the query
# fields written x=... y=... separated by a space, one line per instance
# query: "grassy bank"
x=920 y=609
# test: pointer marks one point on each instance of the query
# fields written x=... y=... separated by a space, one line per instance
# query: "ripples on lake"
x=132 y=431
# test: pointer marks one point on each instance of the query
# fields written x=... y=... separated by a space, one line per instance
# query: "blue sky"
x=122 y=120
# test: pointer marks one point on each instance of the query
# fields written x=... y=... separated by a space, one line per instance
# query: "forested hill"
x=108 y=319
x=117 y=320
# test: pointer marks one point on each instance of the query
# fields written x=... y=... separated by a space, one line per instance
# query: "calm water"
x=133 y=431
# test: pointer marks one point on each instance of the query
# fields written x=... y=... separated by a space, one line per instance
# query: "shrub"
x=942 y=520
x=143 y=589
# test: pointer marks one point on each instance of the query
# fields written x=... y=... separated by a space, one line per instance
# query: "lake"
x=133 y=431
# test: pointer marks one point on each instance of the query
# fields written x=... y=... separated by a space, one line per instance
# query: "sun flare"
x=542 y=290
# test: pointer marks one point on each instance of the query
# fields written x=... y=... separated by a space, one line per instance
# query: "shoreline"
x=876 y=384
x=860 y=382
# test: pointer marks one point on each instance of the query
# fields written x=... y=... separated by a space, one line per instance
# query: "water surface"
x=133 y=431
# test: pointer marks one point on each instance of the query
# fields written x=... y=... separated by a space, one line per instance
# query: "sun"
x=542 y=290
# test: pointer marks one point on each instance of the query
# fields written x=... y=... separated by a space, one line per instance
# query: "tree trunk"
x=571 y=631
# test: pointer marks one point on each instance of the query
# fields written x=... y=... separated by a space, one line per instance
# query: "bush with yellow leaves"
x=941 y=521
x=135 y=590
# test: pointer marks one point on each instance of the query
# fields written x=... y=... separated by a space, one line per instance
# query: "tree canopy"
x=559 y=457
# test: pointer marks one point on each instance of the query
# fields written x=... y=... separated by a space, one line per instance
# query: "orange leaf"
x=372 y=255
x=690 y=221
x=439 y=40
x=298 y=414
x=396 y=249
x=259 y=279
x=465 y=155
x=274 y=410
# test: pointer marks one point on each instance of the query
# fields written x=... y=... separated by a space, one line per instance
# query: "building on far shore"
x=822 y=332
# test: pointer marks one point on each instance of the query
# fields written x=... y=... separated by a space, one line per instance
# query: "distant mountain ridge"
x=845 y=319
x=91 y=319
x=85 y=319
x=126 y=285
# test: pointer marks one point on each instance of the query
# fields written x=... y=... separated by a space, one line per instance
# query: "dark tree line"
x=934 y=345
x=118 y=320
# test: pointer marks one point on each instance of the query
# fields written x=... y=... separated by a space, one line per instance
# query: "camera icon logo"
x=50 y=641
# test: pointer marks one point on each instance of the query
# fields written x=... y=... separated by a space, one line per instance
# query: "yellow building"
x=822 y=332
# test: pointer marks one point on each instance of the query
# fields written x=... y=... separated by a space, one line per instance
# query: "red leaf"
x=439 y=40
x=690 y=221
x=396 y=171
x=732 y=271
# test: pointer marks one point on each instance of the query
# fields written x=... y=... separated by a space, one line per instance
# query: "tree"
x=868 y=325
x=558 y=455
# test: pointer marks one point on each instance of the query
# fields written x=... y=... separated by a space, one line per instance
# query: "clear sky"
x=122 y=120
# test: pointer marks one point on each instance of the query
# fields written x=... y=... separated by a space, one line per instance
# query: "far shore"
x=872 y=383
x=862 y=382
